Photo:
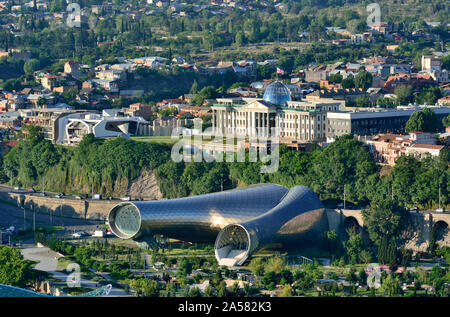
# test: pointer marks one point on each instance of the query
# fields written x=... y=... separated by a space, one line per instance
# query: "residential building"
x=417 y=81
x=387 y=148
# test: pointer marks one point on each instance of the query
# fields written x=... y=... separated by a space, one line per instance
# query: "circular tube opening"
x=232 y=245
x=125 y=220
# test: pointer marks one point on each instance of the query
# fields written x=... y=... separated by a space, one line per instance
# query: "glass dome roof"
x=277 y=93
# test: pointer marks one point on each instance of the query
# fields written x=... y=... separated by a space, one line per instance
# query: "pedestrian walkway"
x=48 y=262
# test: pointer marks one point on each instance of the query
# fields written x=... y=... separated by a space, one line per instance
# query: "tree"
x=33 y=132
x=149 y=288
x=362 y=277
x=257 y=266
x=12 y=84
x=331 y=241
x=287 y=291
x=240 y=39
x=429 y=96
x=335 y=78
x=274 y=264
x=351 y=276
x=446 y=121
x=386 y=102
x=424 y=121
x=404 y=94
x=354 y=246
x=194 y=88
x=365 y=256
x=41 y=102
x=194 y=292
x=208 y=92
x=269 y=280
x=391 y=286
x=363 y=79
x=385 y=219
x=348 y=82
x=14 y=270
x=286 y=63
x=31 y=66
x=209 y=291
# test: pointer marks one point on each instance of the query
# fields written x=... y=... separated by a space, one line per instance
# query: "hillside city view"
x=224 y=149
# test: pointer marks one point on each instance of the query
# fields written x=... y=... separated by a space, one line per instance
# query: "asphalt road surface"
x=14 y=216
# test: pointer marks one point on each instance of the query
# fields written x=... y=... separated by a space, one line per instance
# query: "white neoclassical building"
x=294 y=121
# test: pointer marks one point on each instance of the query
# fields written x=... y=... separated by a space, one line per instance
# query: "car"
x=80 y=234
x=97 y=196
x=31 y=190
x=125 y=198
x=16 y=188
x=58 y=195
x=440 y=210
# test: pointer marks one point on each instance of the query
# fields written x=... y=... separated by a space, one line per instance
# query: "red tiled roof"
x=428 y=146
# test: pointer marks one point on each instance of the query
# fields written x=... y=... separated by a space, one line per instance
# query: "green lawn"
x=155 y=139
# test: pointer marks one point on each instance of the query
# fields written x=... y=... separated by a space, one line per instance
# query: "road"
x=14 y=216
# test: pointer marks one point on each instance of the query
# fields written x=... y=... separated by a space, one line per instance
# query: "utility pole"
x=344 y=196
x=34 y=219
x=392 y=190
x=24 y=221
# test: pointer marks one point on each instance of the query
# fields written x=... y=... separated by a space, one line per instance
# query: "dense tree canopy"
x=423 y=121
x=14 y=270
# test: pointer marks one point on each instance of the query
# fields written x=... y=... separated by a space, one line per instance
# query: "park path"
x=48 y=262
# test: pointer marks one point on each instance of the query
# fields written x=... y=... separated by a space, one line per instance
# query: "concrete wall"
x=421 y=225
x=75 y=208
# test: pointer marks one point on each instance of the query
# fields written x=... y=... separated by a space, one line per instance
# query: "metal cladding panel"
x=298 y=200
x=202 y=216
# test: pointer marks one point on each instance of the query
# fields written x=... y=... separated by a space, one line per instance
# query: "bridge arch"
x=351 y=222
x=441 y=228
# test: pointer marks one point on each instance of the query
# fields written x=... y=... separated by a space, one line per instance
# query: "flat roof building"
x=368 y=123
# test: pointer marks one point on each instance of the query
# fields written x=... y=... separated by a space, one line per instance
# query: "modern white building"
x=109 y=125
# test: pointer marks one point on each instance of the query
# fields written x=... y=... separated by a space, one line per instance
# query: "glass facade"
x=277 y=93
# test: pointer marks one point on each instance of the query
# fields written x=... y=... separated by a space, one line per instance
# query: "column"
x=213 y=120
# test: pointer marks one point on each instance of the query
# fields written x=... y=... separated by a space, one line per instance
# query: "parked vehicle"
x=80 y=234
x=31 y=190
x=97 y=196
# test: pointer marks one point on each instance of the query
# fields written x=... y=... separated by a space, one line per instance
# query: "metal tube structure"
x=236 y=242
x=198 y=218
x=240 y=221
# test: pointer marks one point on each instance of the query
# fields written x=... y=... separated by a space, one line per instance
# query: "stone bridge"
x=75 y=208
x=422 y=225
